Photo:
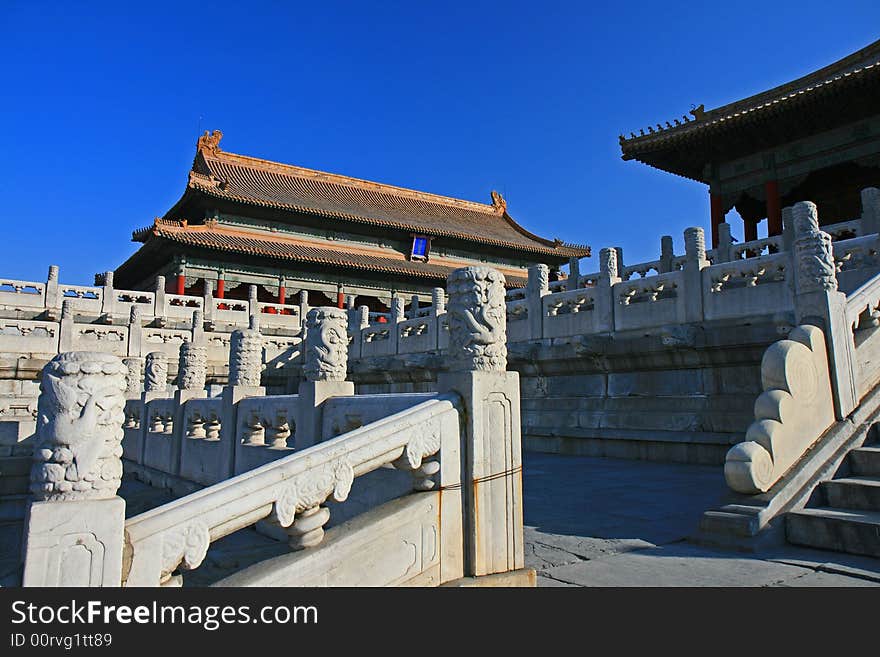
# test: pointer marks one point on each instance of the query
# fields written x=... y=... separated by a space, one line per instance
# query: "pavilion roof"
x=218 y=237
x=257 y=182
x=839 y=93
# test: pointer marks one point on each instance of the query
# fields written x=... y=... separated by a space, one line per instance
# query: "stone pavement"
x=614 y=522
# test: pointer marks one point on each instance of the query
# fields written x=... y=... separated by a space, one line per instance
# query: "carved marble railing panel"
x=84 y=299
x=167 y=341
x=276 y=315
x=218 y=346
x=231 y=311
x=281 y=350
x=652 y=301
x=515 y=293
x=756 y=286
x=678 y=262
x=22 y=294
x=160 y=450
x=568 y=313
x=559 y=286
x=266 y=430
x=756 y=248
x=863 y=316
x=423 y=311
x=181 y=306
x=378 y=340
x=202 y=456
x=28 y=337
x=416 y=335
x=177 y=535
x=443 y=332
x=344 y=414
x=400 y=540
x=133 y=431
x=589 y=280
x=844 y=230
x=856 y=260
x=18 y=423
x=643 y=269
x=792 y=413
x=99 y=337
x=517 y=324
x=125 y=300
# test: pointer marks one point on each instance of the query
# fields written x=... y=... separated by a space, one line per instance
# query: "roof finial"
x=698 y=112
x=499 y=203
x=210 y=141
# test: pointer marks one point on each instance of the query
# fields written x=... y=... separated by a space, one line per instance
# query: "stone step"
x=865 y=461
x=853 y=493
x=851 y=531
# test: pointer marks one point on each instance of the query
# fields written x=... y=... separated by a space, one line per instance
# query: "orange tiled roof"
x=224 y=238
x=263 y=183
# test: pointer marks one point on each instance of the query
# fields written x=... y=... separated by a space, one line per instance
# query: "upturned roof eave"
x=851 y=70
x=158 y=238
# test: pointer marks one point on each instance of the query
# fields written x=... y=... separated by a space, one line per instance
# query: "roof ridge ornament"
x=698 y=112
x=210 y=141
x=498 y=203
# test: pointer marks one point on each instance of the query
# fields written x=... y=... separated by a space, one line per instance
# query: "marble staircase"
x=844 y=513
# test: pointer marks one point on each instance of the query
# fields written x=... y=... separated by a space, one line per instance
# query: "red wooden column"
x=774 y=208
x=181 y=284
x=340 y=299
x=221 y=287
x=281 y=294
x=717 y=210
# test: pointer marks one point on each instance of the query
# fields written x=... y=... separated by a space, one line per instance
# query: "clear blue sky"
x=102 y=104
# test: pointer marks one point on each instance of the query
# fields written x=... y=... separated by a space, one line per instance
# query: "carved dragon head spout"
x=326 y=354
x=477 y=313
x=78 y=451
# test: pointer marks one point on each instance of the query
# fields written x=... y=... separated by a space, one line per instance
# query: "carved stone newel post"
x=690 y=302
x=245 y=368
x=492 y=477
x=537 y=288
x=246 y=356
x=156 y=373
x=609 y=276
x=325 y=366
x=818 y=302
x=74 y=527
x=134 y=377
x=192 y=367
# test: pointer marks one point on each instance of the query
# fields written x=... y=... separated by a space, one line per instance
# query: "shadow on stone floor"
x=617 y=498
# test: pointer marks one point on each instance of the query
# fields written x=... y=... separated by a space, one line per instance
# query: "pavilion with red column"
x=816 y=139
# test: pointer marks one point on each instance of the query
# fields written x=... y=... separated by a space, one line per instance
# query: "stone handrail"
x=267 y=421
x=844 y=229
x=754 y=248
x=863 y=317
x=642 y=269
x=105 y=303
x=178 y=534
x=749 y=272
x=472 y=426
x=792 y=412
x=865 y=299
x=816 y=376
x=202 y=418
